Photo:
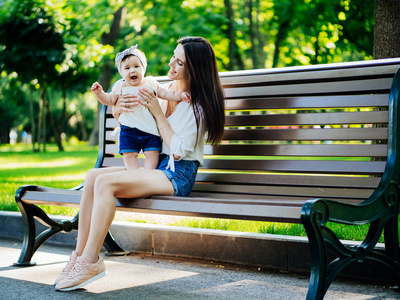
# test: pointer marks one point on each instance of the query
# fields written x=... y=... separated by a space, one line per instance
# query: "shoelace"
x=77 y=268
x=69 y=265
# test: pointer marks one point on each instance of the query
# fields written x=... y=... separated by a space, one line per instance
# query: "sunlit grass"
x=20 y=166
x=355 y=233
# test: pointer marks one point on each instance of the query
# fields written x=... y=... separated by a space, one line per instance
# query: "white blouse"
x=185 y=141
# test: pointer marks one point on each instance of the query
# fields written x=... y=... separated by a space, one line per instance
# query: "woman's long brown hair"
x=205 y=86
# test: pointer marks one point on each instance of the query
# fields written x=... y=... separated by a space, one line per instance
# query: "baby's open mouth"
x=133 y=77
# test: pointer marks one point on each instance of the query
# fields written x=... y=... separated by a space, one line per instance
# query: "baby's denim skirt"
x=183 y=178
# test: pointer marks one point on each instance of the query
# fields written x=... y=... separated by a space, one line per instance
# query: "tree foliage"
x=56 y=49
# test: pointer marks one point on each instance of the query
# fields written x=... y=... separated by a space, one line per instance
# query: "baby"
x=138 y=128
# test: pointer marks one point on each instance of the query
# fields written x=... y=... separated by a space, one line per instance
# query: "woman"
x=182 y=127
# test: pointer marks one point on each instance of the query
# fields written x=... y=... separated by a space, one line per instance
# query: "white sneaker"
x=67 y=268
x=83 y=273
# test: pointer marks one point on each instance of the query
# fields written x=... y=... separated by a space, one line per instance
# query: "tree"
x=107 y=38
x=244 y=34
x=31 y=46
x=387 y=29
x=12 y=105
x=230 y=33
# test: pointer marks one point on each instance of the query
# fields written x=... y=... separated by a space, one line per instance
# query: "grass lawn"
x=20 y=166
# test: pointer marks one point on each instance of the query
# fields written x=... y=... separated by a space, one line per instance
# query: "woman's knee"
x=91 y=175
x=103 y=184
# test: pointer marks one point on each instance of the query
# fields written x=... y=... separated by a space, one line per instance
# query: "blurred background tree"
x=51 y=51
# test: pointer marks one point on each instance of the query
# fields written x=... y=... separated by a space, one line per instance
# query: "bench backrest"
x=294 y=134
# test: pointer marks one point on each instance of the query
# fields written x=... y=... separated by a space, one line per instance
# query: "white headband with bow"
x=131 y=51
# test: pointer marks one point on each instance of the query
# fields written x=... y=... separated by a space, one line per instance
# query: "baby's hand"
x=97 y=88
x=186 y=97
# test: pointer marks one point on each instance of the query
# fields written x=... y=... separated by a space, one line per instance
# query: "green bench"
x=310 y=144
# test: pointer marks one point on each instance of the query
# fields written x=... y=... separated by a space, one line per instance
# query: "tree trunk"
x=315 y=60
x=109 y=38
x=33 y=123
x=251 y=33
x=280 y=37
x=82 y=125
x=55 y=127
x=40 y=120
x=44 y=117
x=230 y=33
x=387 y=29
x=386 y=36
x=260 y=37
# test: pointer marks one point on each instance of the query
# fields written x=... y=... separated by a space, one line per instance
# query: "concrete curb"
x=270 y=251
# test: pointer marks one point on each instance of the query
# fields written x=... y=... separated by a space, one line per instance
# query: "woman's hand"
x=124 y=103
x=149 y=99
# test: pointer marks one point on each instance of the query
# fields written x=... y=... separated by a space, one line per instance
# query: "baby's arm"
x=107 y=99
x=173 y=96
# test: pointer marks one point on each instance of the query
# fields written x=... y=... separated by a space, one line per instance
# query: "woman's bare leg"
x=86 y=205
x=127 y=184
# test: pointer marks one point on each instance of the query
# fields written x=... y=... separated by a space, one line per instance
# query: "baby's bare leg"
x=131 y=161
x=151 y=161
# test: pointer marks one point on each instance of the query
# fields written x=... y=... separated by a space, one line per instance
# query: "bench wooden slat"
x=308 y=102
x=320 y=134
x=286 y=200
x=73 y=199
x=330 y=150
x=268 y=135
x=335 y=88
x=298 y=134
x=290 y=180
x=203 y=209
x=206 y=175
x=312 y=166
x=371 y=117
x=271 y=200
x=308 y=73
x=53 y=197
x=168 y=205
x=342 y=71
x=319 y=192
x=314 y=102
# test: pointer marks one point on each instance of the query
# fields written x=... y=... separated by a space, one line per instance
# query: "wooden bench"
x=310 y=144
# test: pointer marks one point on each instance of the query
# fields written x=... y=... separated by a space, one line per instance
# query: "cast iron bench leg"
x=32 y=242
x=318 y=257
x=392 y=241
x=113 y=249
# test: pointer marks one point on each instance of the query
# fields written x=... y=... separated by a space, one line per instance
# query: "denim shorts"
x=183 y=178
x=134 y=140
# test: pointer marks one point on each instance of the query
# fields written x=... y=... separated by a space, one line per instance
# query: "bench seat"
x=310 y=144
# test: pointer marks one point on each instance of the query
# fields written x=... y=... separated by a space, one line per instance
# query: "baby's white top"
x=185 y=142
x=141 y=118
